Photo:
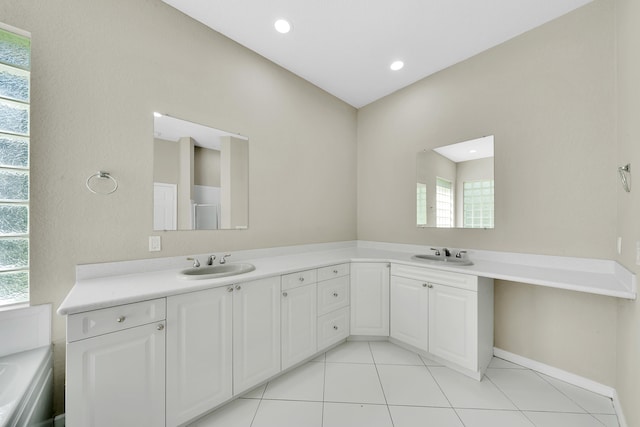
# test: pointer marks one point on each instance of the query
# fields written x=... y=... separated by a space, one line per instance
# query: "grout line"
x=324 y=387
x=507 y=396
x=442 y=391
x=381 y=386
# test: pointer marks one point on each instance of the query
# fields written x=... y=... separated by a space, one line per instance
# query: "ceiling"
x=346 y=47
x=172 y=129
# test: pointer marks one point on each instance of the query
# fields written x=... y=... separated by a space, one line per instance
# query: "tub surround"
x=109 y=284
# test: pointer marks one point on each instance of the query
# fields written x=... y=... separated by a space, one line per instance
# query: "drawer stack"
x=333 y=304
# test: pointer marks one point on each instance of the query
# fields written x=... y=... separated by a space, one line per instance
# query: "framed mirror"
x=200 y=177
x=455 y=185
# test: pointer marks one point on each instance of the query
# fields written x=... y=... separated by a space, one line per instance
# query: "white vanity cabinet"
x=115 y=373
x=256 y=332
x=409 y=317
x=449 y=315
x=199 y=352
x=299 y=317
x=370 y=298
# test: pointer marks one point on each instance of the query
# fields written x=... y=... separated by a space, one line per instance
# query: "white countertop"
x=106 y=285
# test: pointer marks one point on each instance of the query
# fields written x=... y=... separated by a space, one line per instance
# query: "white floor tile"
x=415 y=416
x=256 y=393
x=410 y=385
x=591 y=402
x=608 y=420
x=303 y=383
x=238 y=413
x=284 y=413
x=430 y=362
x=465 y=392
x=351 y=352
x=530 y=392
x=498 y=363
x=354 y=415
x=557 y=419
x=390 y=354
x=353 y=383
x=486 y=418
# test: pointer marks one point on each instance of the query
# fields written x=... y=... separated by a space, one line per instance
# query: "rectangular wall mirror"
x=455 y=185
x=200 y=177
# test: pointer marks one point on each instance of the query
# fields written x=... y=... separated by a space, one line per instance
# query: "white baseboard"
x=567 y=377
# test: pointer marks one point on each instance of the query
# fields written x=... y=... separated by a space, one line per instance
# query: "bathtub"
x=26 y=388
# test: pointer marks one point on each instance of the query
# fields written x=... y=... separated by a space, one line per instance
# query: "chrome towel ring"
x=101 y=176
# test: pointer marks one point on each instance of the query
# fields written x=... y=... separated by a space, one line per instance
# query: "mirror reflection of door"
x=165 y=206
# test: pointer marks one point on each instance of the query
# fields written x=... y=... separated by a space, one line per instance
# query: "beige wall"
x=628 y=108
x=548 y=97
x=100 y=68
x=206 y=167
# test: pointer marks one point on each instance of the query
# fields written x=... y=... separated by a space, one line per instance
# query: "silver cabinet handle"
x=424 y=285
x=430 y=286
x=238 y=287
x=301 y=279
x=120 y=319
x=335 y=294
x=284 y=294
x=335 y=271
x=230 y=289
x=335 y=327
x=160 y=327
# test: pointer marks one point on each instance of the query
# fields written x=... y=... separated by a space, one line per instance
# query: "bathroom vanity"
x=164 y=350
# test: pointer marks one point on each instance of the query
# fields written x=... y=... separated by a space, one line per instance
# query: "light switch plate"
x=155 y=244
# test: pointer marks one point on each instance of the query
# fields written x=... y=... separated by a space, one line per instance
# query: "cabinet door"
x=298 y=324
x=453 y=332
x=256 y=332
x=370 y=299
x=410 y=311
x=117 y=379
x=198 y=353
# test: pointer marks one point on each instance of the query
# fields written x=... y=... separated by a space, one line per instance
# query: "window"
x=421 y=205
x=478 y=204
x=444 y=203
x=15 y=65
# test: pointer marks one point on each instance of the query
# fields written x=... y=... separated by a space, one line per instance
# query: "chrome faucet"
x=196 y=263
x=437 y=251
x=223 y=260
x=460 y=254
x=211 y=259
x=446 y=251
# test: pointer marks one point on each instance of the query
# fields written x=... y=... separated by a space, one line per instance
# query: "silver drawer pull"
x=424 y=285
x=284 y=294
x=120 y=319
x=301 y=279
x=335 y=294
x=335 y=271
x=238 y=287
x=430 y=286
x=230 y=289
x=335 y=327
x=160 y=327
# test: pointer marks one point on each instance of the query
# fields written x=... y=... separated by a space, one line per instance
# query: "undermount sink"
x=215 y=271
x=449 y=260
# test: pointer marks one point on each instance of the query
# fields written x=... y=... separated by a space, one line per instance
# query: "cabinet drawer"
x=112 y=319
x=333 y=294
x=333 y=271
x=333 y=327
x=457 y=280
x=298 y=279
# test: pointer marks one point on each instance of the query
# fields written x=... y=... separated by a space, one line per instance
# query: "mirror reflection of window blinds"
x=478 y=204
x=444 y=203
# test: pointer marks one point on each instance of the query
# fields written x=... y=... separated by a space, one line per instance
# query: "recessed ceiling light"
x=282 y=26
x=396 y=65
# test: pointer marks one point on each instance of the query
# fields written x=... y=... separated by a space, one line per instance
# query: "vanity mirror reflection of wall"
x=200 y=177
x=455 y=185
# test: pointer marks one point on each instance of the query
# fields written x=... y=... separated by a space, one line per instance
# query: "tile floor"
x=378 y=384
